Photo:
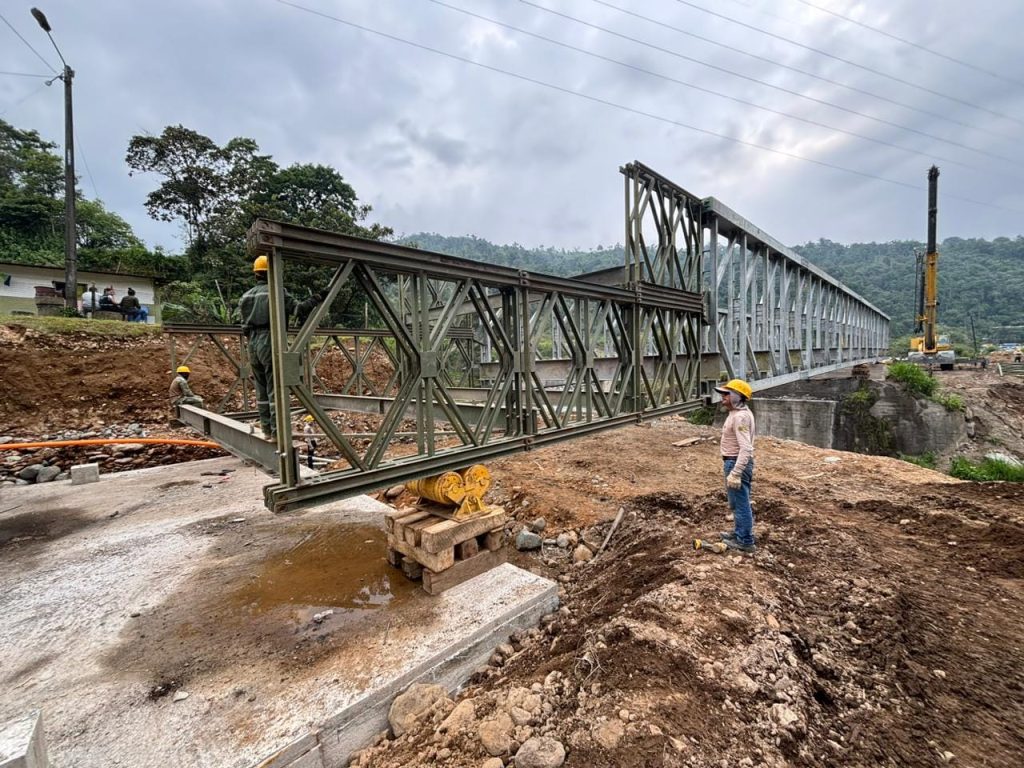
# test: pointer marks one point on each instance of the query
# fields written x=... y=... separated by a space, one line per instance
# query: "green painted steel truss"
x=432 y=305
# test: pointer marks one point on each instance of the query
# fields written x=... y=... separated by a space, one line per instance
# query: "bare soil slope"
x=877 y=625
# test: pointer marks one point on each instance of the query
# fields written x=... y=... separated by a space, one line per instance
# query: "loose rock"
x=494 y=733
x=409 y=706
x=540 y=752
x=527 y=540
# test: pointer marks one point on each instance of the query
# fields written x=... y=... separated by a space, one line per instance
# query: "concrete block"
x=302 y=753
x=21 y=742
x=85 y=473
x=446 y=660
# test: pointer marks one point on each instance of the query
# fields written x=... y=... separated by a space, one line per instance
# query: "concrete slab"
x=177 y=579
x=21 y=742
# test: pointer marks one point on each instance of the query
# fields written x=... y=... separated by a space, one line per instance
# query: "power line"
x=26 y=42
x=632 y=110
x=808 y=73
x=911 y=43
x=852 y=63
x=88 y=170
x=765 y=83
x=22 y=100
x=711 y=91
x=23 y=74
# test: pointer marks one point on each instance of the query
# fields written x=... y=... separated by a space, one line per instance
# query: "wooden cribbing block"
x=494 y=540
x=411 y=568
x=394 y=557
x=447 y=533
x=412 y=531
x=466 y=549
x=435 y=561
x=435 y=583
x=394 y=514
x=398 y=524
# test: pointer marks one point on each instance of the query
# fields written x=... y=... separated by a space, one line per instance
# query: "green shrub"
x=926 y=460
x=987 y=470
x=950 y=401
x=913 y=378
x=702 y=417
x=861 y=398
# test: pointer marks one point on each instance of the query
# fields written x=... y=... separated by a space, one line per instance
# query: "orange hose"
x=146 y=440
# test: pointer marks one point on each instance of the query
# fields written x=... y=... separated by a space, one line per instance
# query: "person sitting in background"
x=107 y=301
x=131 y=309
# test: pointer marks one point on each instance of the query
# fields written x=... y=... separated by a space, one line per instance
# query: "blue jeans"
x=739 y=502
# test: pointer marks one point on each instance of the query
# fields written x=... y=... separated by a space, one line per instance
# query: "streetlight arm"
x=40 y=17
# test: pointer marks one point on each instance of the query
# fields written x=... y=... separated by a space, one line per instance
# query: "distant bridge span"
x=491 y=360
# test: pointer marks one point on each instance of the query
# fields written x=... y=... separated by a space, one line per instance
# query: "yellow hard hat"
x=262 y=264
x=307 y=418
x=739 y=386
x=183 y=369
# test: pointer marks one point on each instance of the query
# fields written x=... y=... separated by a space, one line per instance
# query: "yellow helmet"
x=183 y=369
x=307 y=418
x=262 y=264
x=739 y=386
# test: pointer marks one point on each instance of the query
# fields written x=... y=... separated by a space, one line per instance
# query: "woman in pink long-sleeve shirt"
x=738 y=463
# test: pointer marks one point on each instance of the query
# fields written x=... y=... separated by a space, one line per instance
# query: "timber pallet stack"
x=444 y=552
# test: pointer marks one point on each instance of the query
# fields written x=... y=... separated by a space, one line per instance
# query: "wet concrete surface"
x=195 y=588
x=339 y=568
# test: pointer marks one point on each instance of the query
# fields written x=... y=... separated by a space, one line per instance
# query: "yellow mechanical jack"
x=463 y=490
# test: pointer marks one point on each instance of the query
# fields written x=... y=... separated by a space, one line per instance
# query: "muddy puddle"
x=332 y=568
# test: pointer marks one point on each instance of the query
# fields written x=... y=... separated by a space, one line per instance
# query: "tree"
x=203 y=182
x=217 y=192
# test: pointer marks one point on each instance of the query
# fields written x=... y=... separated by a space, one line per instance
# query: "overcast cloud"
x=437 y=144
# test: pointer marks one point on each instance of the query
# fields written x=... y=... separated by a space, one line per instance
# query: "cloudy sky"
x=448 y=122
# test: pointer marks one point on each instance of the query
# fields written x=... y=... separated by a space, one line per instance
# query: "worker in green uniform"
x=254 y=308
x=180 y=392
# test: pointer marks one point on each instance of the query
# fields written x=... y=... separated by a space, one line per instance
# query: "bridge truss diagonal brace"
x=775 y=316
x=421 y=299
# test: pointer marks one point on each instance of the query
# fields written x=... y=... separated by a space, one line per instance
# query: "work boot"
x=727 y=536
x=732 y=543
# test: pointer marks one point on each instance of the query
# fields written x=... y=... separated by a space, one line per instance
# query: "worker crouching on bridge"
x=738 y=463
x=181 y=393
x=254 y=308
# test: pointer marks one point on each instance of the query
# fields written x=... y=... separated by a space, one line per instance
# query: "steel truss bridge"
x=490 y=360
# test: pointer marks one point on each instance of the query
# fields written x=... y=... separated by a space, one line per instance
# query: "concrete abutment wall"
x=870 y=417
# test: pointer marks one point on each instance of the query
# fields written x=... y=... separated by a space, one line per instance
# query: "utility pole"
x=70 y=232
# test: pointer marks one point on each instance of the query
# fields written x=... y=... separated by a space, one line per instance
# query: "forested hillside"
x=983 y=277
x=549 y=261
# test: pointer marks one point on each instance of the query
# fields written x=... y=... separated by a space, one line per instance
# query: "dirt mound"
x=83 y=380
x=871 y=628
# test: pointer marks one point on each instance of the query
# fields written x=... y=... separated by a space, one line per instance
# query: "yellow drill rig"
x=930 y=348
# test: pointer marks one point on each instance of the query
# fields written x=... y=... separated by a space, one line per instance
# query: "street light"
x=70 y=238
